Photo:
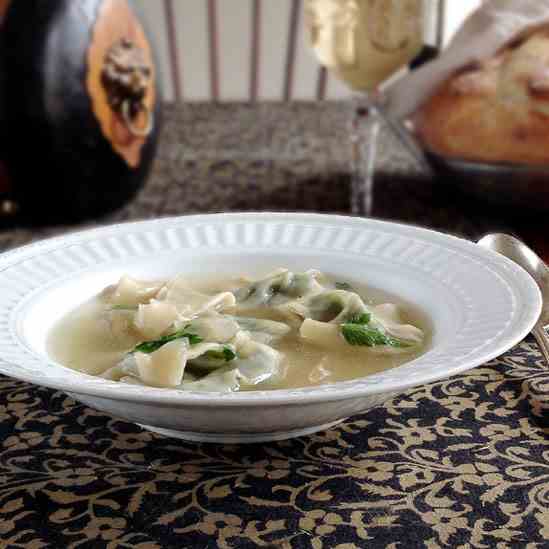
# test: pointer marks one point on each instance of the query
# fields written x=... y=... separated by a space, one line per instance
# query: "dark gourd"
x=79 y=106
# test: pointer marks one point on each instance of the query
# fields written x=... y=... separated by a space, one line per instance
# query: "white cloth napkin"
x=484 y=32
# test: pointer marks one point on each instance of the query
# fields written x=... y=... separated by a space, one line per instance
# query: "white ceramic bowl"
x=480 y=304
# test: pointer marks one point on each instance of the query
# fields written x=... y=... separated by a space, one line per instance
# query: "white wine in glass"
x=364 y=42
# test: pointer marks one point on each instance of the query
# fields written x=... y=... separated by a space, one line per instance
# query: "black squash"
x=79 y=106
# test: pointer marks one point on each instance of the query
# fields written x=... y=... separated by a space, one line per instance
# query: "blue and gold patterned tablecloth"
x=463 y=462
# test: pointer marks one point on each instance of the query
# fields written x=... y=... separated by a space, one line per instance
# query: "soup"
x=284 y=330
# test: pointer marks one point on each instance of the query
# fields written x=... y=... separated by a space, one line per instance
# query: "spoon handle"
x=542 y=339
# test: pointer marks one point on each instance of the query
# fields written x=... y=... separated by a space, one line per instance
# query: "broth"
x=83 y=340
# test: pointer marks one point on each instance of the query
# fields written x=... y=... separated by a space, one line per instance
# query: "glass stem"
x=369 y=115
x=365 y=126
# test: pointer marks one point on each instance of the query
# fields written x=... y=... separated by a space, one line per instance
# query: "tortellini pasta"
x=335 y=306
x=278 y=288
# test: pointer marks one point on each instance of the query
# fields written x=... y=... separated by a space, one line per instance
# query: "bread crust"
x=496 y=111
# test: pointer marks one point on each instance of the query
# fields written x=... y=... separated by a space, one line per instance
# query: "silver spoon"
x=524 y=256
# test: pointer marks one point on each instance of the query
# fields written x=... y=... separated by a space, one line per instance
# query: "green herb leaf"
x=366 y=336
x=227 y=354
x=344 y=286
x=148 y=347
x=363 y=319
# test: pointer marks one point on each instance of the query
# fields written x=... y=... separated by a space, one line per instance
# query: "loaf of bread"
x=496 y=111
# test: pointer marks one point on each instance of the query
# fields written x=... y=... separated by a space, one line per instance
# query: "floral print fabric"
x=462 y=462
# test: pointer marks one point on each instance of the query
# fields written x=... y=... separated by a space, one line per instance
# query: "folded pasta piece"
x=190 y=303
x=164 y=367
x=131 y=292
x=153 y=319
x=278 y=288
x=300 y=285
x=198 y=350
x=126 y=367
x=133 y=380
x=334 y=306
x=257 y=362
x=121 y=326
x=261 y=292
x=323 y=334
x=353 y=307
x=388 y=315
x=330 y=336
x=261 y=330
x=214 y=328
x=206 y=357
x=220 y=381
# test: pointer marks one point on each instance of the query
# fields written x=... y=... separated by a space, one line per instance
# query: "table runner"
x=463 y=462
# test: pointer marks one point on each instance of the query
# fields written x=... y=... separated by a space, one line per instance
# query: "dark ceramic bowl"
x=511 y=185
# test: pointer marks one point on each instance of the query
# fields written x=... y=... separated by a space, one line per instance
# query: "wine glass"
x=364 y=42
